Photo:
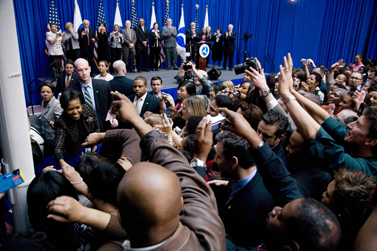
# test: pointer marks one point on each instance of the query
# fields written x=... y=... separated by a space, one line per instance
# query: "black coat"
x=84 y=40
x=142 y=35
x=150 y=104
x=244 y=217
x=60 y=83
x=102 y=98
x=217 y=48
x=122 y=84
x=229 y=43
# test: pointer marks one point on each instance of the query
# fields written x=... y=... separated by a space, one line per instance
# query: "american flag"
x=100 y=19
x=53 y=18
x=133 y=16
x=197 y=19
x=166 y=17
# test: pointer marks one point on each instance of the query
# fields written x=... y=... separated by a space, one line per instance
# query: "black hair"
x=190 y=88
x=360 y=55
x=272 y=79
x=44 y=188
x=103 y=181
x=48 y=84
x=371 y=115
x=234 y=145
x=189 y=145
x=318 y=77
x=313 y=227
x=104 y=25
x=219 y=29
x=192 y=123
x=217 y=87
x=224 y=101
x=352 y=88
x=323 y=69
x=141 y=78
x=364 y=69
x=155 y=24
x=340 y=86
x=69 y=95
x=156 y=78
x=86 y=164
x=276 y=118
x=301 y=75
x=69 y=61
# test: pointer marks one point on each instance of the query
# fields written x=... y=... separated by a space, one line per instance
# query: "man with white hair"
x=229 y=47
x=169 y=34
x=129 y=50
x=86 y=40
x=191 y=40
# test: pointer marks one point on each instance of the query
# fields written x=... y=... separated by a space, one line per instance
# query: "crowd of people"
x=130 y=44
x=286 y=162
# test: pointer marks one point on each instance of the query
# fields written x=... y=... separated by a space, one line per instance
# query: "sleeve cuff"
x=272 y=104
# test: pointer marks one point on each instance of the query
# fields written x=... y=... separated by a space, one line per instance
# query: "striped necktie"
x=88 y=99
x=138 y=105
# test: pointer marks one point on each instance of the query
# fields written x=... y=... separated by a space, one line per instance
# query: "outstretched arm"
x=305 y=123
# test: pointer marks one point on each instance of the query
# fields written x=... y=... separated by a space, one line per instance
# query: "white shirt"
x=108 y=77
x=91 y=92
x=56 y=48
x=142 y=99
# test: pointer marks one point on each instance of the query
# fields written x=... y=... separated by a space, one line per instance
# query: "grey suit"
x=127 y=52
x=72 y=45
x=170 y=44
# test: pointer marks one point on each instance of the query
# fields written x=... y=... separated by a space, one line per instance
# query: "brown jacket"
x=201 y=227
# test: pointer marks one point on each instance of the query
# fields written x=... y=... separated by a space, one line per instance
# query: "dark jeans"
x=142 y=53
x=155 y=56
x=171 y=53
x=228 y=54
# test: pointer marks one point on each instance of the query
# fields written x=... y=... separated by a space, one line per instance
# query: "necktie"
x=138 y=105
x=88 y=99
x=87 y=35
x=129 y=33
x=67 y=81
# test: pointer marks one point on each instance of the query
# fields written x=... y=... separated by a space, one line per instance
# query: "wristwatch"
x=197 y=162
x=265 y=93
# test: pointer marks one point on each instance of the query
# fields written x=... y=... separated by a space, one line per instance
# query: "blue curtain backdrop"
x=324 y=30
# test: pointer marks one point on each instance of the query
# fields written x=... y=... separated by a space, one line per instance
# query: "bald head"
x=119 y=68
x=149 y=199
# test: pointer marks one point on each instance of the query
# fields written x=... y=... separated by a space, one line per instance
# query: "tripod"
x=245 y=53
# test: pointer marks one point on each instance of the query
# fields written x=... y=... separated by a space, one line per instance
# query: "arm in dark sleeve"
x=233 y=37
x=336 y=129
x=199 y=211
x=60 y=136
x=206 y=86
x=130 y=146
x=276 y=177
x=333 y=155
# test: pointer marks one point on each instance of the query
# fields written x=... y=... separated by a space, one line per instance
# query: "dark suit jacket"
x=229 y=41
x=151 y=104
x=142 y=35
x=102 y=98
x=244 y=217
x=122 y=84
x=84 y=40
x=60 y=84
x=190 y=39
x=153 y=39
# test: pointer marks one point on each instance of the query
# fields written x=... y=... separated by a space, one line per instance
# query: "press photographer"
x=200 y=78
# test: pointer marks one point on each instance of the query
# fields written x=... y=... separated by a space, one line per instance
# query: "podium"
x=204 y=51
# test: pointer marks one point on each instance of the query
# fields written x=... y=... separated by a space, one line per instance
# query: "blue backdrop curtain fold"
x=324 y=30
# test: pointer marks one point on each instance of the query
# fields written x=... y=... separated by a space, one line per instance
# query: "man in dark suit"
x=245 y=202
x=129 y=45
x=229 y=47
x=142 y=35
x=86 y=40
x=120 y=82
x=169 y=34
x=96 y=92
x=142 y=100
x=65 y=78
x=191 y=40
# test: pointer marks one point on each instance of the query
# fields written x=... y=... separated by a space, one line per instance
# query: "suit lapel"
x=96 y=95
x=145 y=104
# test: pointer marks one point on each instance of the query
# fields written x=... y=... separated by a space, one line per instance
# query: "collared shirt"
x=69 y=77
x=91 y=92
x=142 y=99
x=156 y=95
x=239 y=184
